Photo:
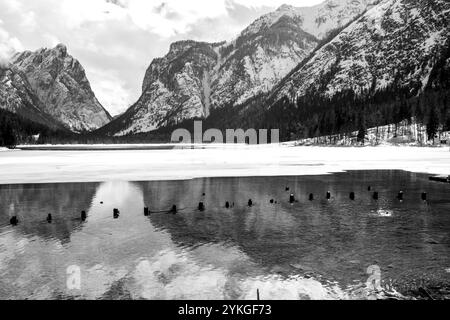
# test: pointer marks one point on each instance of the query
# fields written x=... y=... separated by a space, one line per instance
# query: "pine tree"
x=362 y=134
x=432 y=124
x=8 y=135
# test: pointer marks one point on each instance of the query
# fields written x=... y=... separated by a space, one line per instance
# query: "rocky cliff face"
x=59 y=82
x=397 y=43
x=174 y=89
x=16 y=95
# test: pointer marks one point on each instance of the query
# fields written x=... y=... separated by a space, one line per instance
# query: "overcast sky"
x=115 y=40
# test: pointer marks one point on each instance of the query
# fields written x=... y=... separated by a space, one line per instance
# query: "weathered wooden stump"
x=291 y=198
x=424 y=196
x=14 y=221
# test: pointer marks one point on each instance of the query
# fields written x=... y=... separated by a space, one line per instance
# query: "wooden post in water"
x=291 y=198
x=257 y=295
x=424 y=196
x=14 y=221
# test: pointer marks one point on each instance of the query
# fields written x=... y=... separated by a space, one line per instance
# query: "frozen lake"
x=306 y=250
x=40 y=166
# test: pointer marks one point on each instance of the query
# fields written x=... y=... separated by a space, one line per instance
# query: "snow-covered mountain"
x=196 y=77
x=397 y=43
x=54 y=84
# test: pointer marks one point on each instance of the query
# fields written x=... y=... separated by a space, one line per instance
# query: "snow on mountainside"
x=254 y=63
x=17 y=96
x=59 y=82
x=395 y=43
x=317 y=20
x=196 y=77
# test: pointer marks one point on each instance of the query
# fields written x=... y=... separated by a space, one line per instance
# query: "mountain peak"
x=317 y=20
x=286 y=7
x=61 y=49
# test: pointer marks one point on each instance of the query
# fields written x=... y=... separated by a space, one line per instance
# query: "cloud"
x=111 y=90
x=115 y=40
x=8 y=45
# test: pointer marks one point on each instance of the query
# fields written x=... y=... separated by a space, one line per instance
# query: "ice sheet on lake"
x=214 y=161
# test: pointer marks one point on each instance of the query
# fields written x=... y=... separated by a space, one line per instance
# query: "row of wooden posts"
x=352 y=196
x=201 y=206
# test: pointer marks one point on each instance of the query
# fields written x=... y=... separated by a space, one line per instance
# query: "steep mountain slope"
x=396 y=43
x=255 y=62
x=17 y=96
x=59 y=82
x=174 y=89
x=195 y=78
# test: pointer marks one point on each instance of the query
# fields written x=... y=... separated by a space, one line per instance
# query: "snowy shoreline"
x=213 y=161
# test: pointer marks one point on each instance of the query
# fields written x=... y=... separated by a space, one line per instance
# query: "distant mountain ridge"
x=317 y=20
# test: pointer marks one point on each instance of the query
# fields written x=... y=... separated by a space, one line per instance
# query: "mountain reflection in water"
x=307 y=250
